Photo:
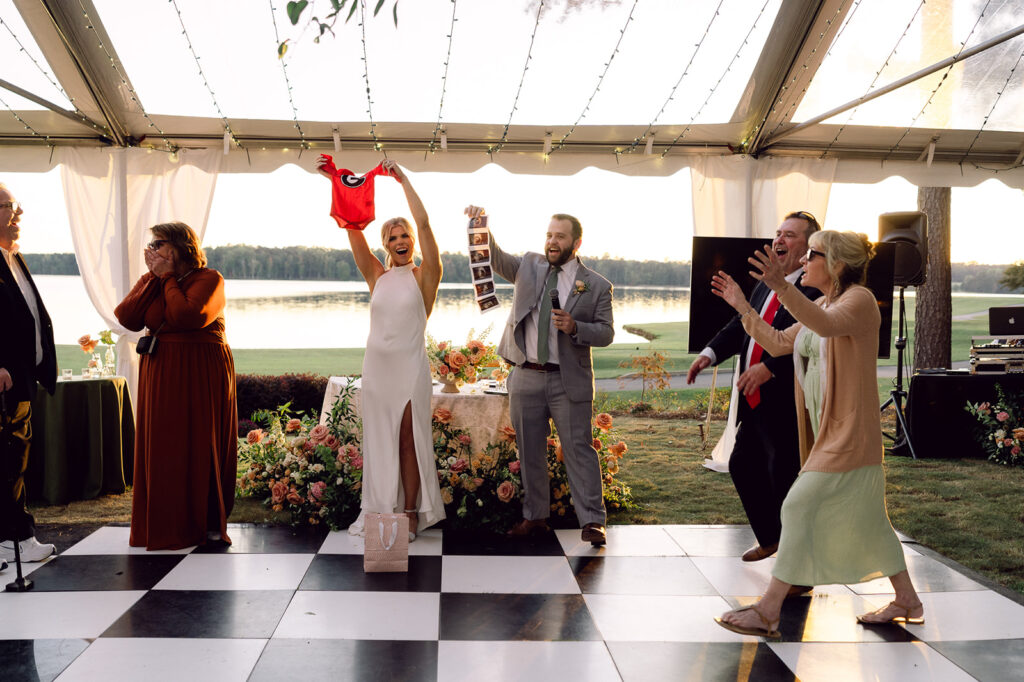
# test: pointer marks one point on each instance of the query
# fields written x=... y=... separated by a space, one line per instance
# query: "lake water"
x=299 y=314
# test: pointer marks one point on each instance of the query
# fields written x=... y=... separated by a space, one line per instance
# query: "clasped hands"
x=158 y=264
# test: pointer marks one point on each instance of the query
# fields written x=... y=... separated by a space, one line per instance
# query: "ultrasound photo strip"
x=480 y=264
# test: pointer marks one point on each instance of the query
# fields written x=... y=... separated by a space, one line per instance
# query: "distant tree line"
x=242 y=261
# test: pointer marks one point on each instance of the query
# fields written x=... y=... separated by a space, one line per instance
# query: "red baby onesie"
x=352 y=195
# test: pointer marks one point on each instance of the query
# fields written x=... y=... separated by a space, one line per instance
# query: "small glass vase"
x=110 y=360
x=95 y=363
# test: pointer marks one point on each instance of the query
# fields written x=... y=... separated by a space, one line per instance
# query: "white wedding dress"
x=395 y=373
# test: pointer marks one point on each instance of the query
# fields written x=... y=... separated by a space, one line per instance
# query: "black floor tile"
x=37 y=659
x=483 y=543
x=657 y=575
x=708 y=661
x=345 y=572
x=269 y=540
x=516 y=617
x=252 y=614
x=100 y=572
x=332 y=659
x=994 y=660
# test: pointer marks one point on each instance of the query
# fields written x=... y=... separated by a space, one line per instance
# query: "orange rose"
x=443 y=370
x=470 y=373
x=293 y=425
x=254 y=436
x=619 y=449
x=507 y=434
x=558 y=452
x=442 y=345
x=1018 y=433
x=442 y=416
x=597 y=444
x=603 y=421
x=457 y=360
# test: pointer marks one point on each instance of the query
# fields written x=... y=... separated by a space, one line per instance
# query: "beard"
x=561 y=259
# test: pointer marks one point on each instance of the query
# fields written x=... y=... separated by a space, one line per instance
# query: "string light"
x=202 y=74
x=597 y=88
x=366 y=78
x=526 y=67
x=714 y=88
x=999 y=95
x=686 y=70
x=444 y=86
x=878 y=74
x=287 y=82
x=132 y=95
x=82 y=117
x=938 y=85
x=23 y=122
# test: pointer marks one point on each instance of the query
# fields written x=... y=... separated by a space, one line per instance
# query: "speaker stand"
x=897 y=395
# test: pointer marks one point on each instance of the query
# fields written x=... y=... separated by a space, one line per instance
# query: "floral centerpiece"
x=1000 y=429
x=313 y=471
x=88 y=346
x=455 y=365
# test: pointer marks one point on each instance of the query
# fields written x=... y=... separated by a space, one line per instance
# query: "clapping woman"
x=399 y=473
x=187 y=420
x=835 y=528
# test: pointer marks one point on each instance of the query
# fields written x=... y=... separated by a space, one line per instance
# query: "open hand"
x=752 y=378
x=726 y=288
x=768 y=269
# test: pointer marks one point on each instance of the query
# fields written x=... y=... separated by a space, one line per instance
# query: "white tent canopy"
x=767 y=102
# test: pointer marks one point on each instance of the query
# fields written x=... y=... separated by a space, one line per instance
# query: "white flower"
x=479 y=503
x=340 y=481
x=297 y=475
x=452 y=460
x=317 y=468
x=1000 y=434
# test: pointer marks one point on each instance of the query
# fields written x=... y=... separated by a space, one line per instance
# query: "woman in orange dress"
x=186 y=418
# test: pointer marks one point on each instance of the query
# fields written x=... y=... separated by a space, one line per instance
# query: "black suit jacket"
x=18 y=337
x=777 y=401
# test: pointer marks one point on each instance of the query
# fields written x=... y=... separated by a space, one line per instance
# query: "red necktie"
x=754 y=399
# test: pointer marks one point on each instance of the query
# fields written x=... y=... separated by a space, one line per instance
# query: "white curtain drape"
x=739 y=196
x=113 y=197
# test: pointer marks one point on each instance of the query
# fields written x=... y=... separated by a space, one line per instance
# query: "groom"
x=559 y=310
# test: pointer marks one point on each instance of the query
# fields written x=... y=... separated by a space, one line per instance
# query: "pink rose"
x=465 y=439
x=254 y=436
x=356 y=462
x=514 y=466
x=1008 y=442
x=319 y=433
x=1015 y=450
x=332 y=442
x=294 y=497
x=460 y=465
x=478 y=481
x=278 y=492
x=293 y=425
x=1002 y=416
x=316 y=491
x=506 y=491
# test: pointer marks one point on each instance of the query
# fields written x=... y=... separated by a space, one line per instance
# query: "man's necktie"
x=544 y=319
x=754 y=399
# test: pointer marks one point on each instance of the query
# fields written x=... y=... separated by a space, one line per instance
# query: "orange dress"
x=186 y=448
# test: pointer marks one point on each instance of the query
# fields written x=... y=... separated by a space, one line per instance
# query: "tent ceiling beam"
x=895 y=85
x=70 y=115
x=796 y=45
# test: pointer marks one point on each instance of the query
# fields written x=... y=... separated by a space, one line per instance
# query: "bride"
x=399 y=472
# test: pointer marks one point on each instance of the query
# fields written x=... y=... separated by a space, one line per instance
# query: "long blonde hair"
x=385 y=234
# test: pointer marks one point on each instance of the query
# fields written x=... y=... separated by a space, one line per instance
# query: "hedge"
x=265 y=392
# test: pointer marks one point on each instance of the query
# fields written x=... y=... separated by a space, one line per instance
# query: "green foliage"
x=258 y=393
x=1013 y=276
x=1000 y=430
x=654 y=378
x=326 y=25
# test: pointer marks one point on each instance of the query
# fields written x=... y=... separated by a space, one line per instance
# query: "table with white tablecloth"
x=481 y=413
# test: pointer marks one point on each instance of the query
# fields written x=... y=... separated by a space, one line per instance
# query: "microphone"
x=555 y=305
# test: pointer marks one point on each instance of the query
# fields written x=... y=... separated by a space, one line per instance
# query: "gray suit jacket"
x=592 y=311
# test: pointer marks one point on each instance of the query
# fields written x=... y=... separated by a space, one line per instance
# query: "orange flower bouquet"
x=460 y=364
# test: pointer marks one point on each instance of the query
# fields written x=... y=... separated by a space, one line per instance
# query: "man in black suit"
x=27 y=358
x=766 y=457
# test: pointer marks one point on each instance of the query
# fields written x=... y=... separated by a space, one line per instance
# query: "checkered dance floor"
x=283 y=606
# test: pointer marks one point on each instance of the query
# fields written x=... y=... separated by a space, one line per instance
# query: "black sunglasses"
x=811 y=253
x=156 y=244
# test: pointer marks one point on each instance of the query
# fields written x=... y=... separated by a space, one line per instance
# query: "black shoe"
x=594 y=533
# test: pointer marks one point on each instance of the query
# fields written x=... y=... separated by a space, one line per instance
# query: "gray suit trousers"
x=534 y=397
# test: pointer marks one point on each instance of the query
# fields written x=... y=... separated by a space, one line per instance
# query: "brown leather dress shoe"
x=594 y=534
x=528 y=527
x=757 y=552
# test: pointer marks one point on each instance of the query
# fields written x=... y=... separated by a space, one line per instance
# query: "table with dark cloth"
x=83 y=441
x=940 y=427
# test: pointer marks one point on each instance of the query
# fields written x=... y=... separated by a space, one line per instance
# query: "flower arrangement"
x=1000 y=429
x=460 y=364
x=313 y=471
x=617 y=495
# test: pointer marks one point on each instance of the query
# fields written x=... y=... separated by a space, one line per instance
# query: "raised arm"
x=131 y=312
x=505 y=265
x=196 y=307
x=430 y=266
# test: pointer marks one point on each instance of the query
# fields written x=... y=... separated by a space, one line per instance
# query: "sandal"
x=905 y=617
x=767 y=631
x=414 y=521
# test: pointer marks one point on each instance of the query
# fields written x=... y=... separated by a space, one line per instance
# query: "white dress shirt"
x=566 y=280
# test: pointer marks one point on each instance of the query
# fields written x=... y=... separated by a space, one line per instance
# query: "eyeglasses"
x=156 y=244
x=13 y=205
x=811 y=253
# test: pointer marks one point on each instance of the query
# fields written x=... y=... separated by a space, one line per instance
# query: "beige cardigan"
x=850 y=435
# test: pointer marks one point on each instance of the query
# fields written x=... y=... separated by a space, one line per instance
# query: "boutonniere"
x=580 y=287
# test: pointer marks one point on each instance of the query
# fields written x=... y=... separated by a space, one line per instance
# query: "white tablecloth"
x=482 y=414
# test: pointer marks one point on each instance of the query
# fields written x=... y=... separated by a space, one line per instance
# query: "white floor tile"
x=710 y=541
x=114 y=540
x=362 y=615
x=622 y=541
x=237 y=572
x=475 y=661
x=630 y=618
x=508 y=574
x=61 y=615
x=880 y=661
x=427 y=543
x=154 y=660
x=736 y=578
x=964 y=616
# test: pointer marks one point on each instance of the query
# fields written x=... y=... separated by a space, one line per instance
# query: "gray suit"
x=566 y=396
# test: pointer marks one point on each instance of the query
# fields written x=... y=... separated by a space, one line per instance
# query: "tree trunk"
x=933 y=311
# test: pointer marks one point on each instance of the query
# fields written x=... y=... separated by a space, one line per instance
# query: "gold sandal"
x=767 y=631
x=906 y=618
